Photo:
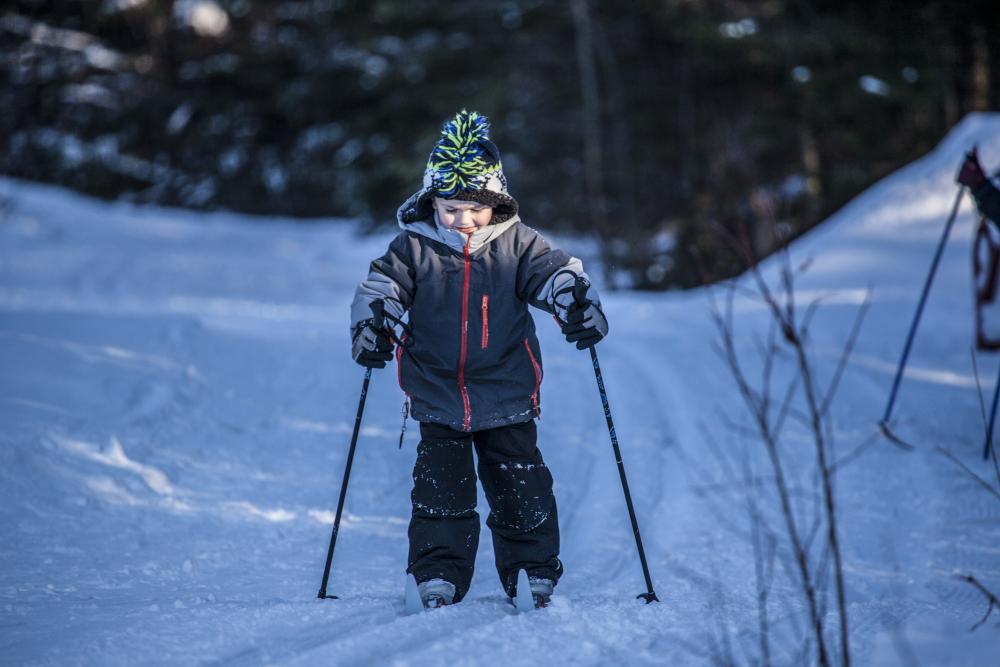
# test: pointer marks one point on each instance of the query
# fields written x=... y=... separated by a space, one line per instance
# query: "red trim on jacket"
x=399 y=363
x=538 y=377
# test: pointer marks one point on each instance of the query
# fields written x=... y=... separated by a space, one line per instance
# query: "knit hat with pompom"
x=465 y=165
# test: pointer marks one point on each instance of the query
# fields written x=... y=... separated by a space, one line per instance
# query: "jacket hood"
x=418 y=215
x=419 y=206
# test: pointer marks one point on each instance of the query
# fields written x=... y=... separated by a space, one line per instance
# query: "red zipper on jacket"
x=467 y=421
x=486 y=321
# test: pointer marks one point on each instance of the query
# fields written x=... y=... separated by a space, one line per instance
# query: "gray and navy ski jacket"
x=470 y=360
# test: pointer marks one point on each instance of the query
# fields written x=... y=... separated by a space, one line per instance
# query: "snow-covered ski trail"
x=177 y=399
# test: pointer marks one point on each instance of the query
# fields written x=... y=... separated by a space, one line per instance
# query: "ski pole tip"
x=883 y=427
x=648 y=597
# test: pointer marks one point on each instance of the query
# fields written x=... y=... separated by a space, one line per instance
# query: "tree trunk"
x=592 y=154
x=980 y=69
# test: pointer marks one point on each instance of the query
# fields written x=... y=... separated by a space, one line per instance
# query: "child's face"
x=462 y=216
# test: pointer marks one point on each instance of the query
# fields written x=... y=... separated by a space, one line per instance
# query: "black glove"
x=971 y=173
x=371 y=346
x=585 y=323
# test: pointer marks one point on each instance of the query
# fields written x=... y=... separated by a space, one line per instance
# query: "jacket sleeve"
x=988 y=199
x=390 y=280
x=545 y=275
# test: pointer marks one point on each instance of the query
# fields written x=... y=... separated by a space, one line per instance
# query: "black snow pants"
x=444 y=526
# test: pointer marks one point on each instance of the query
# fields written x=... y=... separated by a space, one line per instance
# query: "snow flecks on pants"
x=444 y=526
x=519 y=466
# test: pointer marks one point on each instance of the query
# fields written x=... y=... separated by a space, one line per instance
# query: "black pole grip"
x=378 y=313
x=580 y=287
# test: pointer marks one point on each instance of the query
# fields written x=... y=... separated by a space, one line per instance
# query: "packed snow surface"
x=177 y=398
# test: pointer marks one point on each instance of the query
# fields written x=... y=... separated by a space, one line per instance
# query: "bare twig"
x=794 y=328
x=724 y=326
x=785 y=317
x=831 y=391
x=854 y=453
x=814 y=531
x=976 y=478
x=991 y=599
x=764 y=548
x=979 y=389
x=796 y=333
x=809 y=315
x=738 y=429
x=736 y=288
x=786 y=405
x=831 y=507
x=723 y=655
x=721 y=453
x=982 y=411
x=768 y=367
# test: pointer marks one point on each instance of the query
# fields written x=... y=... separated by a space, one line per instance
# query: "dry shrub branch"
x=813 y=541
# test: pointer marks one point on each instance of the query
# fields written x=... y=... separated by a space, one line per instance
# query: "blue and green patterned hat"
x=465 y=164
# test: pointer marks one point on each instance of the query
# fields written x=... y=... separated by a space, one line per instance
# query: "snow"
x=206 y=17
x=177 y=399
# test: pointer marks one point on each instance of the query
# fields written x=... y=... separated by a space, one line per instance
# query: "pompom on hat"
x=464 y=164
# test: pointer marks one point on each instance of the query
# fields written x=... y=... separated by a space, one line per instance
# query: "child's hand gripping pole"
x=580 y=287
x=585 y=323
x=371 y=341
x=378 y=320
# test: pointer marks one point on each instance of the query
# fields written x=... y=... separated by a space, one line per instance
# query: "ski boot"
x=541 y=591
x=436 y=593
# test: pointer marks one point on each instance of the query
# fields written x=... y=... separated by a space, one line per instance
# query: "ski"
x=523 y=600
x=412 y=603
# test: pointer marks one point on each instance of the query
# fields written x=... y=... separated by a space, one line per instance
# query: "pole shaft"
x=343 y=486
x=993 y=416
x=920 y=305
x=621 y=473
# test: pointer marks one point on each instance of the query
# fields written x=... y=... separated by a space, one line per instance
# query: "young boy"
x=465 y=269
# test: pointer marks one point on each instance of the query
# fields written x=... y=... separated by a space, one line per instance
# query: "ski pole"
x=884 y=424
x=377 y=310
x=579 y=295
x=993 y=416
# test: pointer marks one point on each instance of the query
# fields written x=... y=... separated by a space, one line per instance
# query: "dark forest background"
x=650 y=125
